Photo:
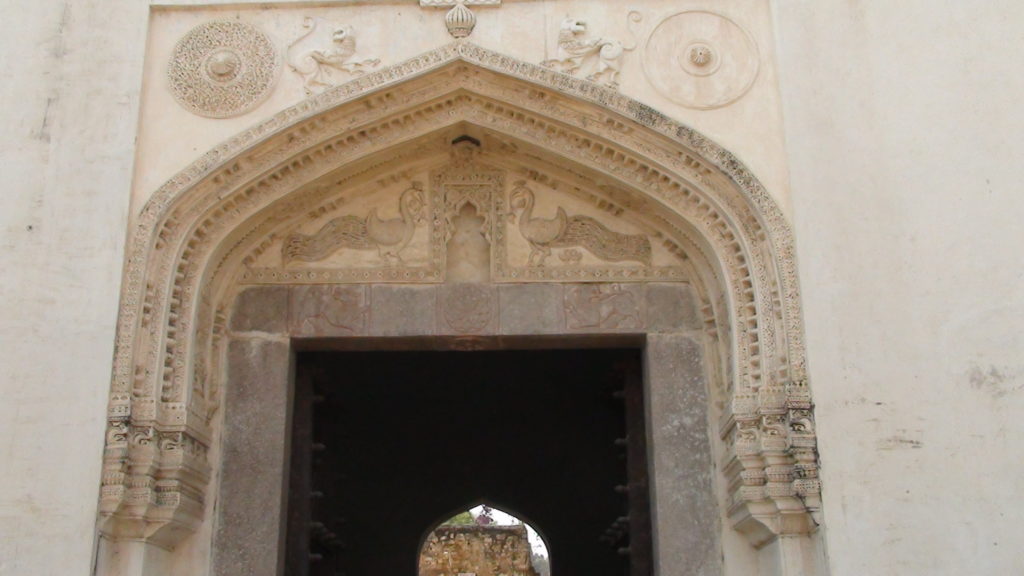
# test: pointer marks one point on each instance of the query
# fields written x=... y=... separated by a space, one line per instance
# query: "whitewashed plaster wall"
x=68 y=109
x=903 y=125
x=902 y=134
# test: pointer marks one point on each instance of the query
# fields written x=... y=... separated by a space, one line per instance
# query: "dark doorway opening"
x=385 y=445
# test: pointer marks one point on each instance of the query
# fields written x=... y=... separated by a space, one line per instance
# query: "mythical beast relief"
x=319 y=68
x=575 y=50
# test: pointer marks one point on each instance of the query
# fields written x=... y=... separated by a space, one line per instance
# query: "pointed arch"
x=189 y=240
x=476 y=503
x=527 y=524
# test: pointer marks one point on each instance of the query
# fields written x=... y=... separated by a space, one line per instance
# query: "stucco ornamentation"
x=322 y=68
x=700 y=59
x=460 y=20
x=387 y=236
x=222 y=69
x=575 y=51
x=192 y=239
x=572 y=232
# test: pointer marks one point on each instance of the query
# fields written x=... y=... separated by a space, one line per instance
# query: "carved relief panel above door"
x=389 y=234
x=470 y=224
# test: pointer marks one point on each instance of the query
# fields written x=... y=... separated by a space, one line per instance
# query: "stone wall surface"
x=70 y=99
x=899 y=123
x=903 y=128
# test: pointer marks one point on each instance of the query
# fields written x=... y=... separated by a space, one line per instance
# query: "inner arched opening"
x=486 y=541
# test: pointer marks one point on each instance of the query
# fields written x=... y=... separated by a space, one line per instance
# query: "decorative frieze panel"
x=393 y=235
x=529 y=236
x=541 y=241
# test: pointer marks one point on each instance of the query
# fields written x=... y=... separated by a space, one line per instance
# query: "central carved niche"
x=471 y=222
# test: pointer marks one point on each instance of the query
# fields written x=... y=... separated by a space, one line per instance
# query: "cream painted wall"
x=904 y=129
x=68 y=110
x=903 y=139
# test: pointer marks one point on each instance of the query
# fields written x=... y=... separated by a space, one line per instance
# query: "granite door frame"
x=270 y=324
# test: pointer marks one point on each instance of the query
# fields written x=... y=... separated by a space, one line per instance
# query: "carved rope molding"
x=163 y=394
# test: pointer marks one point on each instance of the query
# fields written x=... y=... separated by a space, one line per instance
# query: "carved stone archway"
x=204 y=235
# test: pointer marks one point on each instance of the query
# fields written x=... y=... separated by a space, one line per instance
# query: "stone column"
x=687 y=526
x=250 y=533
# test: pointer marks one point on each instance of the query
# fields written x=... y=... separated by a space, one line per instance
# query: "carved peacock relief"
x=469 y=226
x=389 y=237
x=572 y=232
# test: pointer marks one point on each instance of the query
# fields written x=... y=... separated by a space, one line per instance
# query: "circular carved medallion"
x=468 y=308
x=700 y=59
x=222 y=69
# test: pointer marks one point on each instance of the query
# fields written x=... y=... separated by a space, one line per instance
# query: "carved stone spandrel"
x=261 y=309
x=467 y=309
x=329 y=310
x=531 y=309
x=672 y=308
x=402 y=310
x=604 y=307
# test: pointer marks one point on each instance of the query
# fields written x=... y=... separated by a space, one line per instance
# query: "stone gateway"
x=692 y=288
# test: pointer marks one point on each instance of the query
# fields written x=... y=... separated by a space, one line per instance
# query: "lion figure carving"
x=318 y=68
x=576 y=50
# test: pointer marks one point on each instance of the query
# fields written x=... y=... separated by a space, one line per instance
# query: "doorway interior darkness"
x=386 y=445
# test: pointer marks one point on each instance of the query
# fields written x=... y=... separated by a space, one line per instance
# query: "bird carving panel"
x=403 y=230
x=573 y=232
x=388 y=237
x=549 y=236
x=377 y=233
